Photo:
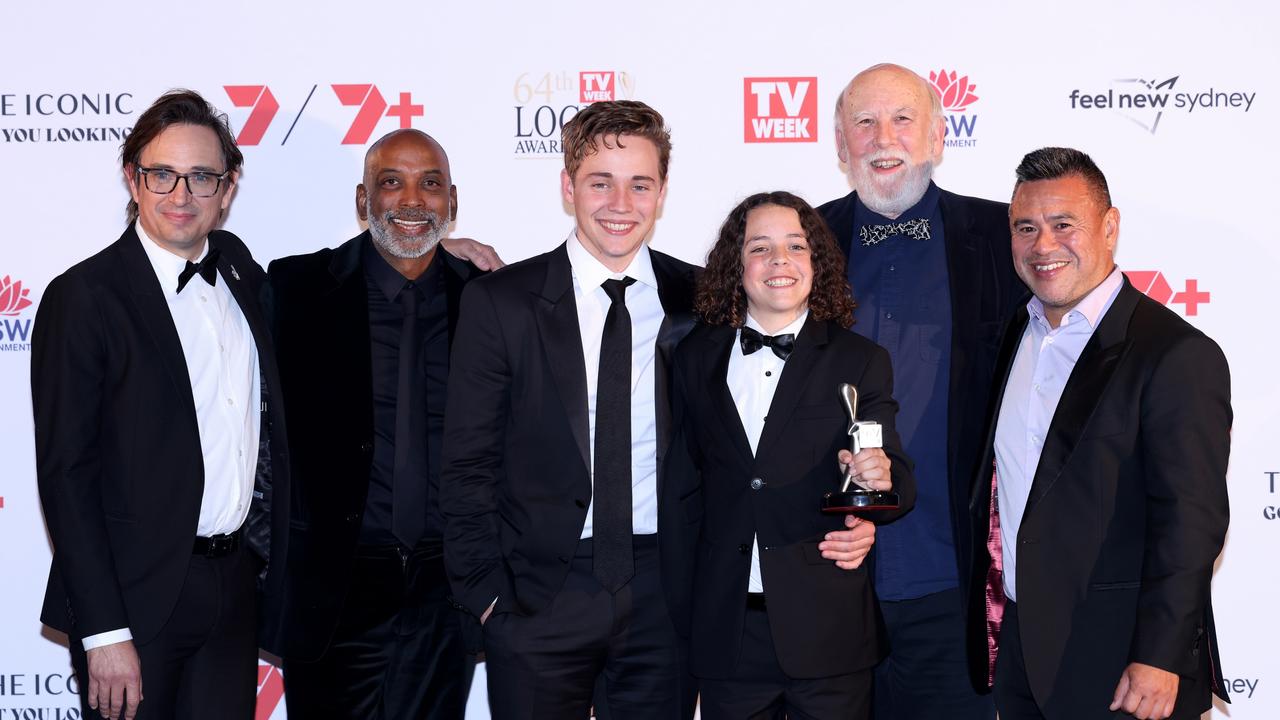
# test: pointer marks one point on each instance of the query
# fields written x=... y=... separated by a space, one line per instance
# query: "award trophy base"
x=855 y=502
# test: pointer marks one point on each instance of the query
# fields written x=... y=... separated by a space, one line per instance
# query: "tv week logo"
x=780 y=109
x=373 y=107
x=595 y=86
x=1154 y=285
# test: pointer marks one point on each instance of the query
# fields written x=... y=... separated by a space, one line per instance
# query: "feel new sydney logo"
x=1146 y=101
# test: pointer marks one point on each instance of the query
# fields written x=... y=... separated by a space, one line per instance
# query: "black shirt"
x=386 y=318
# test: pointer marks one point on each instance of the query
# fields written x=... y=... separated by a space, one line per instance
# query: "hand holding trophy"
x=855 y=496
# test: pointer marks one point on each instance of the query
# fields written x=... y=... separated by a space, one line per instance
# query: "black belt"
x=755 y=601
x=216 y=546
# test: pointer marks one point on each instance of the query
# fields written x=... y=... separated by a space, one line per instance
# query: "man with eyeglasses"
x=160 y=447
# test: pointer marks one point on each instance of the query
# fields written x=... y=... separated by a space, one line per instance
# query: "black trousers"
x=759 y=690
x=547 y=665
x=926 y=675
x=1010 y=686
x=399 y=650
x=204 y=661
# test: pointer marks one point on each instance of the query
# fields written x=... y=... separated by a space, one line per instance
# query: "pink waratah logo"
x=13 y=297
x=956 y=92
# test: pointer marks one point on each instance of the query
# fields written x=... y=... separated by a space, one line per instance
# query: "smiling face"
x=777 y=269
x=1064 y=241
x=616 y=195
x=407 y=196
x=890 y=137
x=179 y=221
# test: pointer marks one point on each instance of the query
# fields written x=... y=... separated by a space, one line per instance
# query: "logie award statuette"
x=854 y=496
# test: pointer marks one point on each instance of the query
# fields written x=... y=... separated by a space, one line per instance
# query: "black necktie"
x=409 y=477
x=208 y=269
x=914 y=229
x=782 y=345
x=613 y=561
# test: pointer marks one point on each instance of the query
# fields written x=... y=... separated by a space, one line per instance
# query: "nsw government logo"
x=1145 y=101
x=957 y=94
x=779 y=109
x=545 y=101
x=15 y=320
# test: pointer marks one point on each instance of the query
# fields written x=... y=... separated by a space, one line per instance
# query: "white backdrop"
x=315 y=82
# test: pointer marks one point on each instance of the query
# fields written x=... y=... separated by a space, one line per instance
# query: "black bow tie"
x=782 y=345
x=208 y=269
x=914 y=229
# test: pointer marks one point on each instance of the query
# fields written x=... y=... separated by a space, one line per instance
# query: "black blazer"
x=320 y=307
x=822 y=619
x=984 y=291
x=117 y=447
x=1127 y=513
x=515 y=486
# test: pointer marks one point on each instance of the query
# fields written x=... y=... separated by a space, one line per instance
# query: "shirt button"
x=889 y=315
x=204 y=299
x=756 y=483
x=230 y=401
x=768 y=373
x=892 y=268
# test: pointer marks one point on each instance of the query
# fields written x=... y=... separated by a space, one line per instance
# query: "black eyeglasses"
x=162 y=181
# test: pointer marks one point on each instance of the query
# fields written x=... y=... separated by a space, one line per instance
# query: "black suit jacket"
x=320 y=306
x=984 y=291
x=117 y=447
x=515 y=486
x=1127 y=513
x=822 y=619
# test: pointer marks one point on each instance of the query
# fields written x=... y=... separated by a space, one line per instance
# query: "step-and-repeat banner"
x=1177 y=102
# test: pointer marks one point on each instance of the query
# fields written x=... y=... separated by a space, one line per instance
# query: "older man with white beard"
x=933 y=278
x=363 y=333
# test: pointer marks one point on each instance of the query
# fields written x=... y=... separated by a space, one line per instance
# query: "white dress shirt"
x=1044 y=361
x=752 y=380
x=222 y=363
x=646 y=313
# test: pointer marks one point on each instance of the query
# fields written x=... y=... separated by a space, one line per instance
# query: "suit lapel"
x=1084 y=390
x=149 y=299
x=716 y=346
x=675 y=292
x=809 y=346
x=963 y=270
x=245 y=296
x=556 y=313
x=345 y=300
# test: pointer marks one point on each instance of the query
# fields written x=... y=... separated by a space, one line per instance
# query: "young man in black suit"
x=1109 y=432
x=781 y=622
x=160 y=445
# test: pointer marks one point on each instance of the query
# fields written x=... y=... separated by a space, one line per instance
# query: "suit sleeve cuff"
x=109 y=637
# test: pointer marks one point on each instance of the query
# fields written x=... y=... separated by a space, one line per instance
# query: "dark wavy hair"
x=720 y=298
x=607 y=122
x=178 y=107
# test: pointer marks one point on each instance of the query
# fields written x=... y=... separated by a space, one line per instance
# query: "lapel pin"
x=234 y=274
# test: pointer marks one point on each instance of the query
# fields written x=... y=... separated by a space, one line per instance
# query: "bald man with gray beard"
x=368 y=627
x=934 y=281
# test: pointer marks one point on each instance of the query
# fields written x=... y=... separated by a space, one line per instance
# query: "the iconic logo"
x=546 y=101
x=270 y=691
x=957 y=94
x=373 y=107
x=1154 y=285
x=15 y=331
x=1144 y=101
x=68 y=112
x=779 y=109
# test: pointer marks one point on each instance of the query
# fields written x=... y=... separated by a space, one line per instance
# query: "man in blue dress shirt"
x=933 y=279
